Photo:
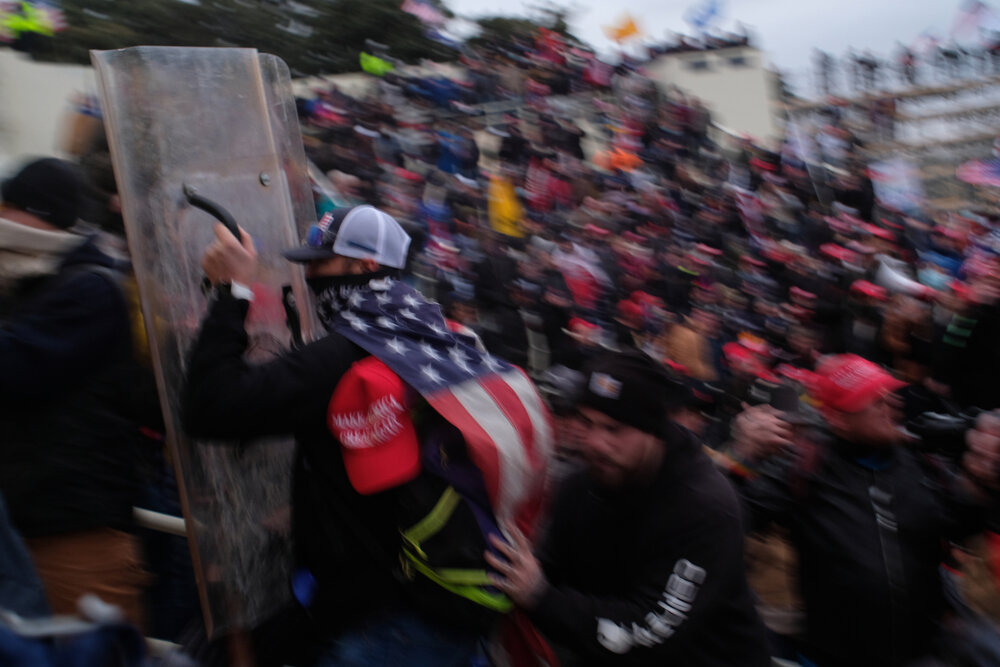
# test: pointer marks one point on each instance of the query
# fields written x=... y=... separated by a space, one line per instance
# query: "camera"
x=941 y=433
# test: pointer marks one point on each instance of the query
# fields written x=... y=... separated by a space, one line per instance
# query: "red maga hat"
x=850 y=383
x=838 y=252
x=870 y=290
x=879 y=232
x=369 y=414
x=708 y=250
x=801 y=293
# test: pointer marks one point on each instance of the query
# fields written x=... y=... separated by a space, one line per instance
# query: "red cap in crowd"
x=580 y=325
x=868 y=289
x=838 y=252
x=801 y=293
x=763 y=165
x=743 y=359
x=409 y=175
x=879 y=232
x=676 y=367
x=960 y=289
x=708 y=250
x=630 y=311
x=850 y=383
x=646 y=299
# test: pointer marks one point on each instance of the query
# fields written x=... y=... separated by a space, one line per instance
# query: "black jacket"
x=968 y=357
x=70 y=447
x=348 y=541
x=869 y=529
x=651 y=575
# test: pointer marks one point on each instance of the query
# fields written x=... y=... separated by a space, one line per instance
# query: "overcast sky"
x=787 y=30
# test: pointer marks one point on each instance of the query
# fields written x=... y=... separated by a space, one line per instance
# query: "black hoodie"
x=70 y=445
x=651 y=575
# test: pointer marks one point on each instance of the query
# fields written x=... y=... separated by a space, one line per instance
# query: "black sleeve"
x=959 y=514
x=690 y=575
x=226 y=397
x=677 y=589
x=770 y=495
x=64 y=336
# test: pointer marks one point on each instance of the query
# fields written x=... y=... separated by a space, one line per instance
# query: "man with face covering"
x=346 y=536
x=69 y=461
x=643 y=563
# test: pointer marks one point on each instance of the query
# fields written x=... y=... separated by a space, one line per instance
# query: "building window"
x=701 y=64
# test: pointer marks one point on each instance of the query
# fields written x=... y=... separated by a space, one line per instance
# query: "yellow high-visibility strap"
x=434 y=521
x=496 y=601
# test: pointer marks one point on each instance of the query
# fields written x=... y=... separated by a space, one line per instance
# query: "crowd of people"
x=732 y=342
x=742 y=269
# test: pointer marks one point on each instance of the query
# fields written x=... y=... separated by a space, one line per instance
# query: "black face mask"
x=319 y=284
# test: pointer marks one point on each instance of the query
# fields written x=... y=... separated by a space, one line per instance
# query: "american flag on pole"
x=969 y=18
x=498 y=410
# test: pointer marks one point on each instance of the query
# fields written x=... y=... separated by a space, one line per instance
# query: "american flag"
x=498 y=410
x=980 y=172
x=969 y=19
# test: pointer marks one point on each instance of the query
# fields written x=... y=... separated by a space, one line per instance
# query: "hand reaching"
x=759 y=432
x=519 y=574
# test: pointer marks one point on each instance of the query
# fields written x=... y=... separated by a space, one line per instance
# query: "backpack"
x=445 y=521
x=393 y=441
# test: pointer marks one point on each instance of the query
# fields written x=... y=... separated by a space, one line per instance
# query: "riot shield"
x=220 y=123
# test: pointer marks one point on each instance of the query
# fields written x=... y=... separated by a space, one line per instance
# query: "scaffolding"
x=935 y=127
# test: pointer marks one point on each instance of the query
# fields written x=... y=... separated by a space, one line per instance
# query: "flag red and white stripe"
x=509 y=436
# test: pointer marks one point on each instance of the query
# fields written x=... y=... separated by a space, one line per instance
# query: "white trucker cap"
x=361 y=232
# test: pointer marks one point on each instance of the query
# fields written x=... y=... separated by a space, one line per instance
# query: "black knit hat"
x=49 y=189
x=631 y=388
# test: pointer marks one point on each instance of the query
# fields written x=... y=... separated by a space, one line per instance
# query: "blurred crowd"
x=571 y=226
x=692 y=244
x=598 y=211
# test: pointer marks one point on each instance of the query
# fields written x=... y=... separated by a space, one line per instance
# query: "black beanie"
x=49 y=189
x=631 y=388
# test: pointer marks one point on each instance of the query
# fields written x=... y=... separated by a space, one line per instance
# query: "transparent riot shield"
x=220 y=123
